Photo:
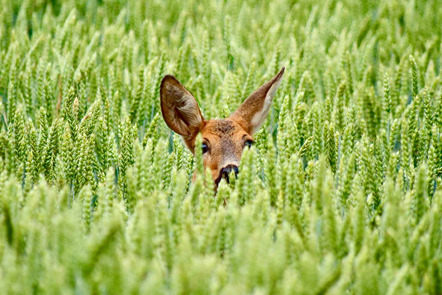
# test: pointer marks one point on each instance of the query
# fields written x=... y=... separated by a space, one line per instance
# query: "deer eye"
x=248 y=143
x=205 y=148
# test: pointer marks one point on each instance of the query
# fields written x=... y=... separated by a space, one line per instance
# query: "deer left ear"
x=253 y=111
x=180 y=109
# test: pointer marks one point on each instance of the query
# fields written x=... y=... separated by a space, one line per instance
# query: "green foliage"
x=342 y=192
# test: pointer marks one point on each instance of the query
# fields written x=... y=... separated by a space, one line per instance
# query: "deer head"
x=223 y=140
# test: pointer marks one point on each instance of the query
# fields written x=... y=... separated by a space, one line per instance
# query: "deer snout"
x=227 y=170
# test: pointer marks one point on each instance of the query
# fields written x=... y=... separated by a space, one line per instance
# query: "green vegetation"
x=342 y=192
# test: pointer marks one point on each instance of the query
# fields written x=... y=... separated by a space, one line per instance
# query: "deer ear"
x=180 y=109
x=253 y=111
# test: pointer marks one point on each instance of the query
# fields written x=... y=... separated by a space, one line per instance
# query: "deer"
x=223 y=140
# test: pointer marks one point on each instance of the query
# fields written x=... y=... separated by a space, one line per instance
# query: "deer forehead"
x=222 y=129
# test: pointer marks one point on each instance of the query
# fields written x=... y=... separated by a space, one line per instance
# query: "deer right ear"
x=253 y=111
x=180 y=109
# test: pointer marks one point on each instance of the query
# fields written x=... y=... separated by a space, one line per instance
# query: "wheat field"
x=341 y=194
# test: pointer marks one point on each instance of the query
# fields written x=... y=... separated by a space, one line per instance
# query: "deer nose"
x=227 y=170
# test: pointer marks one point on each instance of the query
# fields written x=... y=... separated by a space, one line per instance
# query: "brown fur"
x=224 y=138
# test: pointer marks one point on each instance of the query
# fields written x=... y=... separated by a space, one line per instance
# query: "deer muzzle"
x=225 y=172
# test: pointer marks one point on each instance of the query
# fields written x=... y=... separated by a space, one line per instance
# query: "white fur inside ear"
x=188 y=107
x=260 y=116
